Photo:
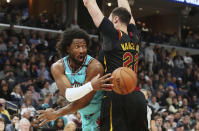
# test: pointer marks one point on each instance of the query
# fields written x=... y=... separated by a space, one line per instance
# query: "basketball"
x=124 y=81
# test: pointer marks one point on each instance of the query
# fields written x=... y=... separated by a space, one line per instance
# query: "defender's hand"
x=46 y=116
x=100 y=83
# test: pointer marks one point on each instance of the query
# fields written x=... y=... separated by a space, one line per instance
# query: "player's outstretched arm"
x=125 y=4
x=93 y=69
x=94 y=11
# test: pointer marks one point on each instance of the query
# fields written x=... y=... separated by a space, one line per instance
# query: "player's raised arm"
x=125 y=4
x=94 y=11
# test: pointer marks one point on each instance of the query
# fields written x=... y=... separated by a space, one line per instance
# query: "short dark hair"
x=123 y=14
x=2 y=120
x=14 y=115
x=67 y=38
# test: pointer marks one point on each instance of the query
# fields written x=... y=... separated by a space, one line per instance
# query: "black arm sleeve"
x=108 y=30
x=131 y=28
x=110 y=34
x=134 y=33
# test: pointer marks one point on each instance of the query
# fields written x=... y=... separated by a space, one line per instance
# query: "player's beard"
x=75 y=61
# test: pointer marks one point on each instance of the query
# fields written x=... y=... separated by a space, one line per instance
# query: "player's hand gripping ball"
x=124 y=80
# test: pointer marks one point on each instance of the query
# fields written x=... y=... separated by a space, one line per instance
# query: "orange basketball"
x=125 y=80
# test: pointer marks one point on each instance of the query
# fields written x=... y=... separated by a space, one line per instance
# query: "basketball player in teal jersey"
x=77 y=77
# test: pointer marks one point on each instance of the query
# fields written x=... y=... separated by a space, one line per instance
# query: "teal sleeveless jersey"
x=90 y=114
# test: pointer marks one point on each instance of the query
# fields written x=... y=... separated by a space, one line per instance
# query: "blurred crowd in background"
x=26 y=84
x=18 y=15
x=188 y=38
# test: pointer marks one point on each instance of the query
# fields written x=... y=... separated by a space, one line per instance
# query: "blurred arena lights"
x=109 y=4
x=8 y=1
x=140 y=9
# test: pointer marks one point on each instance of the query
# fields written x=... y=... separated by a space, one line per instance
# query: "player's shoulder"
x=57 y=66
x=95 y=65
x=95 y=62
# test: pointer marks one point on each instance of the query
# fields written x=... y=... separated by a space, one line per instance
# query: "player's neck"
x=122 y=28
x=73 y=64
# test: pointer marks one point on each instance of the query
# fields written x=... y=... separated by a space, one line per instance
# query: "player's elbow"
x=86 y=2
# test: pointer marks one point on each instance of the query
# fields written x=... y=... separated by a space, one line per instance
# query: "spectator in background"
x=194 y=102
x=3 y=115
x=46 y=102
x=196 y=84
x=172 y=94
x=167 y=126
x=3 y=47
x=59 y=124
x=70 y=126
x=173 y=84
x=3 y=110
x=186 y=106
x=43 y=44
x=24 y=123
x=49 y=96
x=43 y=70
x=188 y=78
x=20 y=57
x=187 y=123
x=28 y=107
x=45 y=89
x=35 y=95
x=150 y=57
x=2 y=124
x=144 y=27
x=149 y=84
x=4 y=36
x=170 y=61
x=173 y=53
x=187 y=59
x=180 y=127
x=11 y=47
x=23 y=71
x=5 y=72
x=178 y=62
x=14 y=123
x=5 y=92
x=33 y=40
x=171 y=121
x=154 y=104
x=17 y=94
x=150 y=110
x=53 y=88
x=159 y=123
x=33 y=70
